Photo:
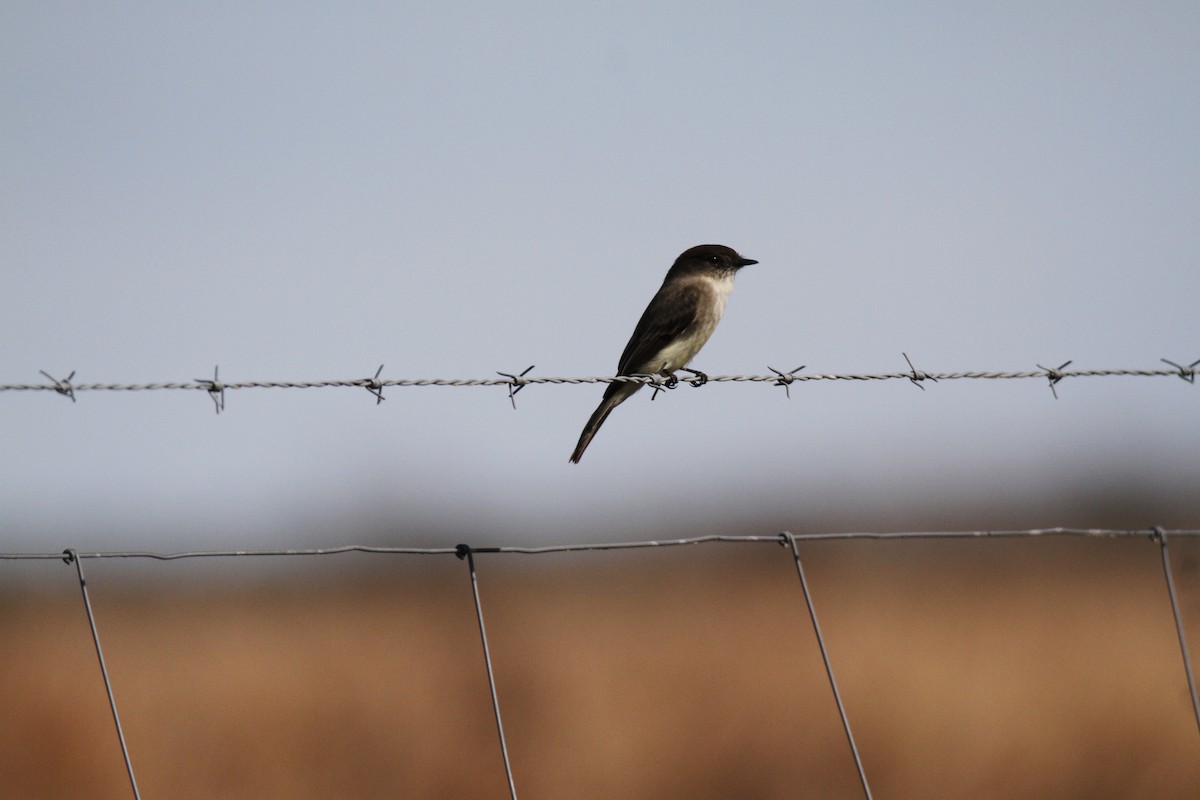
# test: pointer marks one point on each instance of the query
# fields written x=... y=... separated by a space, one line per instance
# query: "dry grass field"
x=981 y=669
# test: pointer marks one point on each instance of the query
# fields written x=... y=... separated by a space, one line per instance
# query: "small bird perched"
x=674 y=327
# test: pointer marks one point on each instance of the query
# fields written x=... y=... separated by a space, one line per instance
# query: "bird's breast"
x=684 y=348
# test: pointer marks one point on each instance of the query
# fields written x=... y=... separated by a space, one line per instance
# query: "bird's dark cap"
x=717 y=254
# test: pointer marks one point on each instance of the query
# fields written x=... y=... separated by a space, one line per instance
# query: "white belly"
x=681 y=351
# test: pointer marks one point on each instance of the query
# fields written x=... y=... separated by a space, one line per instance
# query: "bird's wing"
x=662 y=322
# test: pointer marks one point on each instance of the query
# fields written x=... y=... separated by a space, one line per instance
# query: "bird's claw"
x=659 y=383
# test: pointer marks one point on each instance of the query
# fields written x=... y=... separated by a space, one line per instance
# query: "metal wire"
x=73 y=558
x=1102 y=533
x=837 y=696
x=787 y=539
x=1161 y=536
x=517 y=381
x=464 y=551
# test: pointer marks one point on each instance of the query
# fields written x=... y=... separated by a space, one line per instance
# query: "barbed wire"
x=467 y=553
x=515 y=382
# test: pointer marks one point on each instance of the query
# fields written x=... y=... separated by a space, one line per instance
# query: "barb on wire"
x=785 y=379
x=71 y=557
x=515 y=384
x=63 y=387
x=215 y=389
x=1055 y=375
x=659 y=384
x=1188 y=373
x=375 y=386
x=464 y=551
x=916 y=375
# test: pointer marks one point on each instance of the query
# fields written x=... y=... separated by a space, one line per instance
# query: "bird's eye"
x=714 y=259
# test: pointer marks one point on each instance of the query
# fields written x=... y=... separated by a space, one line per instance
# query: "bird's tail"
x=614 y=395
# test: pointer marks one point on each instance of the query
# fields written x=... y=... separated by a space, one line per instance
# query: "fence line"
x=1100 y=533
x=788 y=540
x=514 y=382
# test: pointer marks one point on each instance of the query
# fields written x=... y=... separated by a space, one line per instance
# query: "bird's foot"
x=698 y=379
x=657 y=382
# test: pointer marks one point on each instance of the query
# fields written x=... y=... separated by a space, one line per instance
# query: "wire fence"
x=467 y=553
x=515 y=382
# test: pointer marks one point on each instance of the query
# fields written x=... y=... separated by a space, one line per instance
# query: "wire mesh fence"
x=790 y=543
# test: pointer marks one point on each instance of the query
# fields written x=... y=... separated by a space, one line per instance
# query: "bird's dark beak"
x=745 y=262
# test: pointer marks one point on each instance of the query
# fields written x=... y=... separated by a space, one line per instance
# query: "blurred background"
x=302 y=192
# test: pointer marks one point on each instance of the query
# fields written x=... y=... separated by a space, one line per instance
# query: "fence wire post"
x=837 y=696
x=72 y=556
x=1160 y=536
x=465 y=551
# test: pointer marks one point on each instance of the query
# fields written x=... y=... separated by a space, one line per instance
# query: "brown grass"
x=991 y=669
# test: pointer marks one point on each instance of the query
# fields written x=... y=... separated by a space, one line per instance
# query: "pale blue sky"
x=305 y=191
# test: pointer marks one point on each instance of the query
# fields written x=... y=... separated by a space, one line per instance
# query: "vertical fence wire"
x=837 y=696
x=73 y=557
x=1161 y=536
x=465 y=551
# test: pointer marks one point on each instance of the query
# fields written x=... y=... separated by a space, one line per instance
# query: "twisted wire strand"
x=522 y=380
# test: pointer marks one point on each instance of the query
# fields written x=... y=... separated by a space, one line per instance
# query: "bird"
x=681 y=317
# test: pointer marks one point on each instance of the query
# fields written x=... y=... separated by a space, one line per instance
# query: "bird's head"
x=710 y=257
